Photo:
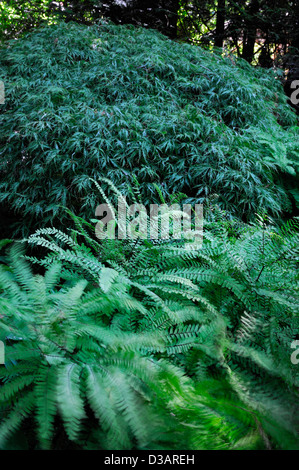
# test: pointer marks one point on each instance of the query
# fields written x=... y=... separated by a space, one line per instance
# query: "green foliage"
x=62 y=355
x=68 y=354
x=121 y=344
x=119 y=102
x=125 y=343
x=19 y=16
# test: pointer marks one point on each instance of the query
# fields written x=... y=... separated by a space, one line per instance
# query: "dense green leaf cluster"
x=121 y=344
x=144 y=344
x=116 y=101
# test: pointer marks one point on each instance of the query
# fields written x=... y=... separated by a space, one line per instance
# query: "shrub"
x=117 y=101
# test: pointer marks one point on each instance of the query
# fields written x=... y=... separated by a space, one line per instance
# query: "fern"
x=226 y=313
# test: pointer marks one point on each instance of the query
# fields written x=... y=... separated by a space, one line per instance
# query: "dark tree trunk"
x=220 y=22
x=250 y=31
x=157 y=14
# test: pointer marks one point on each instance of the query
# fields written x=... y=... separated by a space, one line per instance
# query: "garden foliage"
x=134 y=343
x=118 y=102
x=125 y=344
